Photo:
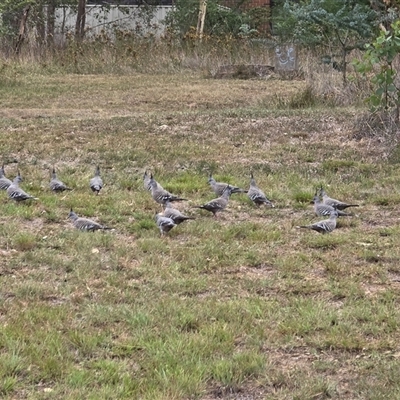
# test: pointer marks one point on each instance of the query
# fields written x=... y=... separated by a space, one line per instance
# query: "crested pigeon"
x=85 y=224
x=339 y=205
x=55 y=184
x=165 y=224
x=147 y=181
x=256 y=195
x=96 y=183
x=218 y=204
x=4 y=182
x=219 y=187
x=160 y=195
x=174 y=214
x=14 y=192
x=323 y=210
x=326 y=225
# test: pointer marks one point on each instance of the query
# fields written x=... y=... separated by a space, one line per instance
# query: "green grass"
x=243 y=306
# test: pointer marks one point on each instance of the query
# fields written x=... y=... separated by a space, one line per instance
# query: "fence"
x=140 y=19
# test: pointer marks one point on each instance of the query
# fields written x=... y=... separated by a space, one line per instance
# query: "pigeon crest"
x=14 y=192
x=96 y=183
x=160 y=195
x=256 y=195
x=147 y=180
x=55 y=184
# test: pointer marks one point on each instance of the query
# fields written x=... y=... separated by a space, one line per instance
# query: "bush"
x=219 y=21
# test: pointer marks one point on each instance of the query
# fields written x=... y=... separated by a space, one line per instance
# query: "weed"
x=336 y=165
x=24 y=241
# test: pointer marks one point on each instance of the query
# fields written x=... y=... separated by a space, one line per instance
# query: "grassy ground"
x=243 y=307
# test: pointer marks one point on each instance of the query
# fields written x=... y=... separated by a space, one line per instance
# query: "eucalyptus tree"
x=41 y=17
x=343 y=25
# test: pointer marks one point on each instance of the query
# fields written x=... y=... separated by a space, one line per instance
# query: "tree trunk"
x=344 y=66
x=201 y=18
x=64 y=18
x=38 y=17
x=22 y=29
x=80 y=20
x=51 y=16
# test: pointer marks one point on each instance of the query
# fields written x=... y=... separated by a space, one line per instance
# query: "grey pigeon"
x=174 y=214
x=324 y=226
x=160 y=195
x=56 y=185
x=4 y=182
x=339 y=205
x=14 y=192
x=256 y=195
x=323 y=210
x=147 y=181
x=85 y=224
x=165 y=224
x=218 y=204
x=96 y=183
x=219 y=187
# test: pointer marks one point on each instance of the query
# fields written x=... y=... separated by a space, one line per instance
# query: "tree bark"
x=80 y=20
x=51 y=16
x=38 y=17
x=344 y=66
x=201 y=18
x=22 y=29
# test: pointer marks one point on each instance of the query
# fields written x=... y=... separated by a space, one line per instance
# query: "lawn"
x=245 y=306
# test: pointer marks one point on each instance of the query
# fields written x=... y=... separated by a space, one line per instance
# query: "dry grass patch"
x=99 y=96
x=245 y=306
